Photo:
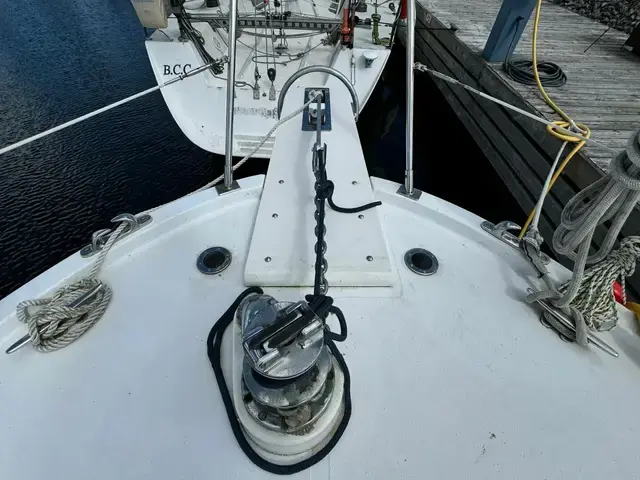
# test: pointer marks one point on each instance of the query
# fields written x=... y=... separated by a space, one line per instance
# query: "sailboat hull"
x=198 y=104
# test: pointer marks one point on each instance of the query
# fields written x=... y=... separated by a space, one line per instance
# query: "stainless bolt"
x=369 y=258
x=267 y=259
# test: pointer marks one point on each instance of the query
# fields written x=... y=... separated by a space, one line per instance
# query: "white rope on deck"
x=54 y=322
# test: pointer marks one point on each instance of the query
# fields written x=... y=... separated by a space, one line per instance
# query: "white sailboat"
x=275 y=39
x=320 y=323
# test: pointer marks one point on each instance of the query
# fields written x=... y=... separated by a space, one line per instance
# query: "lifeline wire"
x=544 y=121
x=106 y=108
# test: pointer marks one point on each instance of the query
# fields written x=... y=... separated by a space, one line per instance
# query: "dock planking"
x=603 y=83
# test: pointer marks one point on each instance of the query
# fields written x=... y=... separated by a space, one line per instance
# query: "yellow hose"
x=567 y=122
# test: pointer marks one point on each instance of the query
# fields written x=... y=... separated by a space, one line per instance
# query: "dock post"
x=507 y=29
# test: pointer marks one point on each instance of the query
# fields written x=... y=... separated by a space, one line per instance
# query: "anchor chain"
x=320 y=284
x=324 y=194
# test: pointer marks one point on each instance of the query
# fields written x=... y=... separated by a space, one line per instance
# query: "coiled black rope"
x=214 y=344
x=521 y=71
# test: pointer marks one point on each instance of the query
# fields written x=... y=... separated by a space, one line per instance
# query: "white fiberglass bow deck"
x=164 y=365
x=452 y=375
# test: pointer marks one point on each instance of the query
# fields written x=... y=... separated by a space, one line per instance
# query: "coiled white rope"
x=588 y=296
x=52 y=323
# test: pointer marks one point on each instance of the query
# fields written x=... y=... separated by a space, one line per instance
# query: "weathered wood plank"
x=603 y=88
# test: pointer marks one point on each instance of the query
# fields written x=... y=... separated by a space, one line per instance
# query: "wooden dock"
x=602 y=91
x=603 y=84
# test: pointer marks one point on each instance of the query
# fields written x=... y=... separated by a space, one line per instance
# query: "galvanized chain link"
x=318 y=165
x=321 y=286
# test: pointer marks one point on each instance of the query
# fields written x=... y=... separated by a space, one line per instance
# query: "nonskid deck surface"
x=453 y=376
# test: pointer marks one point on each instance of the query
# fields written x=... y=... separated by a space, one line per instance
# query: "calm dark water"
x=59 y=60
x=62 y=59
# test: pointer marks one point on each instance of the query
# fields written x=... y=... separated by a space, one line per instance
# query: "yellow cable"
x=566 y=123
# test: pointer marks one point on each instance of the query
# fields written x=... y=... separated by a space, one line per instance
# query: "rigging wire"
x=256 y=71
x=246 y=158
x=291 y=35
x=553 y=125
x=259 y=144
x=418 y=66
x=217 y=66
x=273 y=34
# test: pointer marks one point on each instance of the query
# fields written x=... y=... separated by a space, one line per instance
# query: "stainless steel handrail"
x=231 y=84
x=355 y=105
x=411 y=42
